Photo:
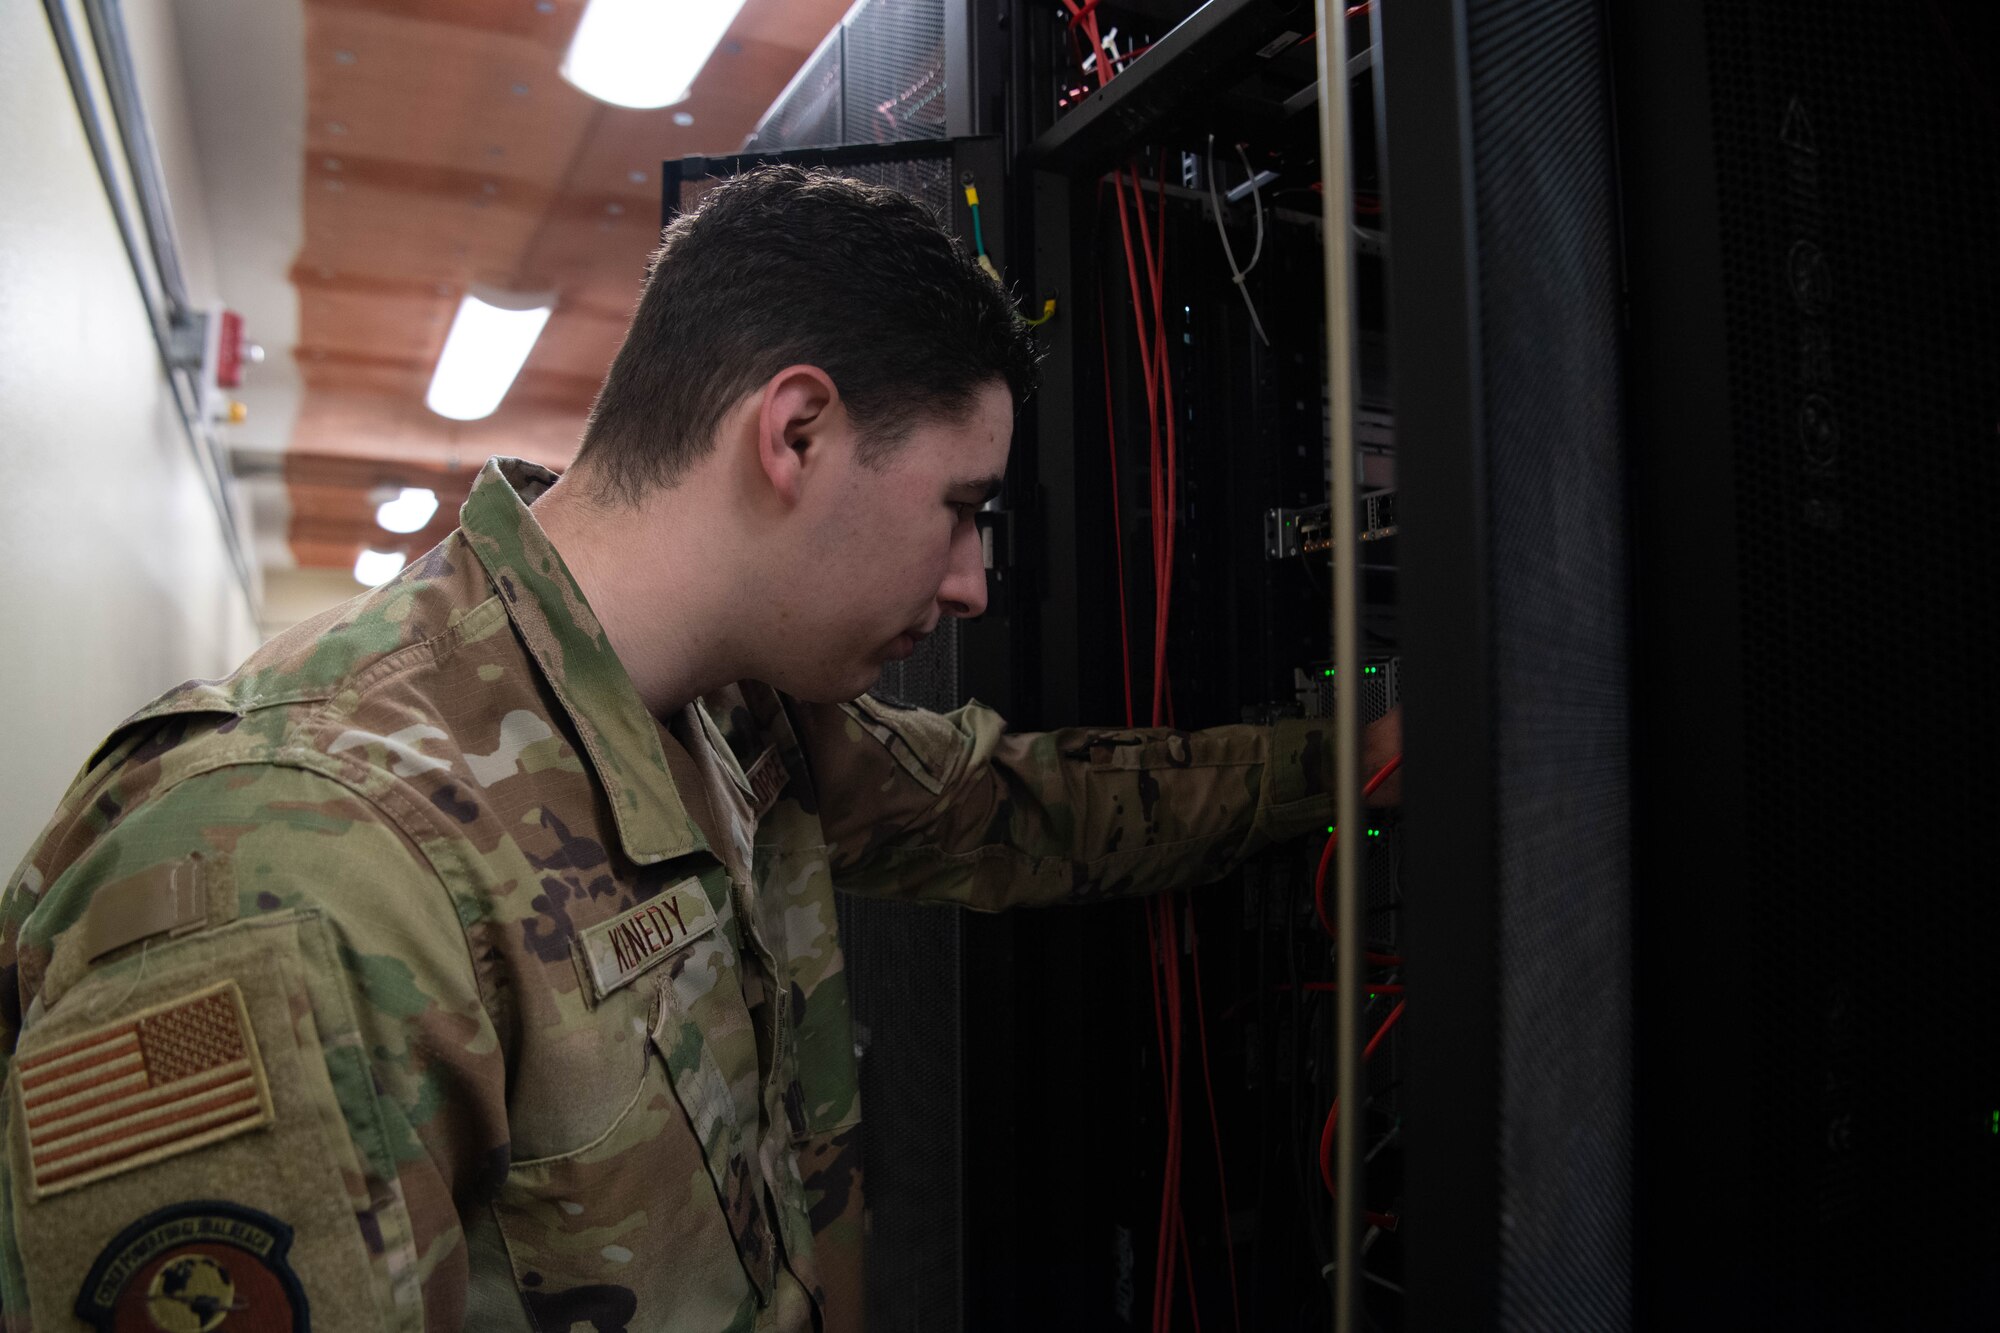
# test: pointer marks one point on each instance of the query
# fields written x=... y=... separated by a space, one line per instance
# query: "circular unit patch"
x=196 y=1268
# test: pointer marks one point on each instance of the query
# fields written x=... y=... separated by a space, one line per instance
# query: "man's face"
x=890 y=551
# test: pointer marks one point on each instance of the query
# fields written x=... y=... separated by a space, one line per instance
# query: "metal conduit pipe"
x=156 y=266
x=1337 y=193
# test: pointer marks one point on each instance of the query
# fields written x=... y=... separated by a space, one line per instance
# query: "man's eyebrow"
x=987 y=487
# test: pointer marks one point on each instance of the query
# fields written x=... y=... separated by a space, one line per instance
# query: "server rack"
x=1682 y=295
x=895 y=71
x=1250 y=644
x=1815 y=326
x=1690 y=314
x=930 y=1047
x=1504 y=302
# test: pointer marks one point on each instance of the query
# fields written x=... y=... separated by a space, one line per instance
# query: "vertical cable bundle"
x=1162 y=931
x=1145 y=267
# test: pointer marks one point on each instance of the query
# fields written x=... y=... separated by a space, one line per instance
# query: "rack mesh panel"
x=904 y=965
x=904 y=968
x=895 y=71
x=1858 y=189
x=878 y=78
x=809 y=114
x=904 y=971
x=1549 y=293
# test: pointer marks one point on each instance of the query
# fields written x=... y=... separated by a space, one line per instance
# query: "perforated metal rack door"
x=905 y=966
x=905 y=962
x=895 y=71
x=1548 y=250
x=1504 y=319
x=810 y=112
x=1815 y=278
x=1859 y=183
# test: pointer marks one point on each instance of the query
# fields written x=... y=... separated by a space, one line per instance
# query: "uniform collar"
x=569 y=645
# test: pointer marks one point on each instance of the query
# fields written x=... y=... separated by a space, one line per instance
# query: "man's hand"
x=1381 y=741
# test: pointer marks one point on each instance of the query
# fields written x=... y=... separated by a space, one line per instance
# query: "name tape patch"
x=164 y=1081
x=613 y=952
x=767 y=779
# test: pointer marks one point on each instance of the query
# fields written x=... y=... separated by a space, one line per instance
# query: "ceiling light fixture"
x=409 y=511
x=372 y=569
x=490 y=338
x=645 y=53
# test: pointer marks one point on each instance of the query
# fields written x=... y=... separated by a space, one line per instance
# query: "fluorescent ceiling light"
x=645 y=53
x=409 y=511
x=374 y=568
x=490 y=337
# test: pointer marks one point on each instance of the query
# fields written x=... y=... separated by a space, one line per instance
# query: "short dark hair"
x=780 y=267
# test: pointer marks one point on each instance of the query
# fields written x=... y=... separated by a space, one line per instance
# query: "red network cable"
x=1214 y=1125
x=1162 y=452
x=1163 y=952
x=1368 y=788
x=1173 y=1247
x=1163 y=942
x=1086 y=10
x=1310 y=988
x=1352 y=12
x=1162 y=933
x=1387 y=1221
x=1165 y=958
x=1163 y=489
x=1085 y=15
x=1117 y=523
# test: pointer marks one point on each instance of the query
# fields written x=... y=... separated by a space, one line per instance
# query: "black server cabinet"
x=1504 y=324
x=1249 y=641
x=932 y=1045
x=1813 y=217
x=1694 y=313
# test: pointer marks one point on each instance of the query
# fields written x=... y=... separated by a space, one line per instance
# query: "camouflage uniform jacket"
x=406 y=976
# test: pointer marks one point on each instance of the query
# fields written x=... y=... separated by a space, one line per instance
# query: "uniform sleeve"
x=252 y=1068
x=952 y=807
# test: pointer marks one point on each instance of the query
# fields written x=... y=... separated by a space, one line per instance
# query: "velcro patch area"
x=167 y=1080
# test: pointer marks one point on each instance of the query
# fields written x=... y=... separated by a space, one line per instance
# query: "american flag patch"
x=161 y=1082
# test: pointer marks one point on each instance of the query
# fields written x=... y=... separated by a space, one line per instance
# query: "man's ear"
x=796 y=419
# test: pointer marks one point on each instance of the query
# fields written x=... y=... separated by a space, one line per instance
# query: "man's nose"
x=963 y=592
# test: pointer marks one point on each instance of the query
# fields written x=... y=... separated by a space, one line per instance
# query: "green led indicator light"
x=1329 y=829
x=1373 y=670
x=1996 y=1122
x=1329 y=671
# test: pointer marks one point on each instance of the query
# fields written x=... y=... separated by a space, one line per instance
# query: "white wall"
x=292 y=595
x=117 y=580
x=244 y=63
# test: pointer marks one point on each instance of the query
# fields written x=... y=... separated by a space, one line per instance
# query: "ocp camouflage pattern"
x=436 y=787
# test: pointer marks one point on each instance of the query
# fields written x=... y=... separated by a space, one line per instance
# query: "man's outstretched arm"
x=953 y=807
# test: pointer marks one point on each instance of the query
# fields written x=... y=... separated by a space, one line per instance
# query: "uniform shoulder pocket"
x=183 y=1127
x=925 y=744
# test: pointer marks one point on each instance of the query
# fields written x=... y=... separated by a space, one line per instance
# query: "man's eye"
x=963 y=512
